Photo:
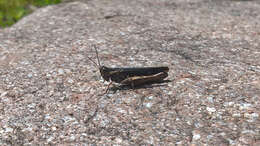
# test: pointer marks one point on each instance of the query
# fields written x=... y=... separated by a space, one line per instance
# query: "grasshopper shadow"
x=143 y=86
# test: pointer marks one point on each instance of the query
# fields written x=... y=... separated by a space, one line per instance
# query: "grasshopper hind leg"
x=141 y=80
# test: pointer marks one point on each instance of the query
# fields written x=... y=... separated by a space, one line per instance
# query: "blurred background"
x=13 y=10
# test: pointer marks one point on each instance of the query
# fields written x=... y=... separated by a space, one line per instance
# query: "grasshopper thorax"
x=104 y=71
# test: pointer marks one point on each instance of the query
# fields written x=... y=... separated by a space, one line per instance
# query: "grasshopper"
x=131 y=76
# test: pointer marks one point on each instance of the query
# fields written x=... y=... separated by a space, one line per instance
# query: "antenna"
x=93 y=62
x=97 y=65
x=97 y=55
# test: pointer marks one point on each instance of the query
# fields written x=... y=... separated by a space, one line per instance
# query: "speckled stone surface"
x=51 y=94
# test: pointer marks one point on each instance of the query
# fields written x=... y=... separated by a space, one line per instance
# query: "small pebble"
x=237 y=115
x=150 y=97
x=212 y=110
x=148 y=105
x=8 y=129
x=196 y=136
x=60 y=71
x=29 y=75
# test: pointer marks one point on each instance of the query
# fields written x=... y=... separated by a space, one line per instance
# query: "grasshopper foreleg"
x=108 y=87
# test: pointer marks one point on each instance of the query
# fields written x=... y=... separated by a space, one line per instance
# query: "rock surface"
x=50 y=93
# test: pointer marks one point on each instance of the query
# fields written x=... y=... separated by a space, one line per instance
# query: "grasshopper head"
x=104 y=71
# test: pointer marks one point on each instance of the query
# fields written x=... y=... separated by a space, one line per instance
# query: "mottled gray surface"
x=50 y=92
